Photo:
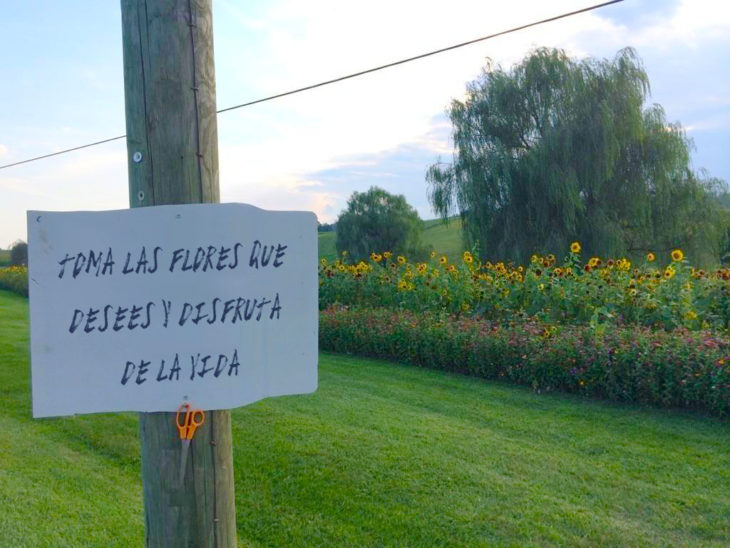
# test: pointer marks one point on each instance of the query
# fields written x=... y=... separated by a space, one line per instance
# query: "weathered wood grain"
x=172 y=145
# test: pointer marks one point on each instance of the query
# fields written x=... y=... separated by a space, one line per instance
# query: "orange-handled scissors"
x=191 y=419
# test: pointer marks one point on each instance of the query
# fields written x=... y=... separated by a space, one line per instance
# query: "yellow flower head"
x=443 y=259
x=650 y=257
x=432 y=254
x=677 y=255
x=668 y=272
x=401 y=259
x=376 y=257
x=387 y=254
x=468 y=257
x=575 y=247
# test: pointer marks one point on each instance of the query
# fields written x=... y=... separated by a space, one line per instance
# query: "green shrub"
x=682 y=368
x=14 y=278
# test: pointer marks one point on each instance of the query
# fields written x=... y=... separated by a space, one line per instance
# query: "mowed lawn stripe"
x=383 y=454
x=551 y=465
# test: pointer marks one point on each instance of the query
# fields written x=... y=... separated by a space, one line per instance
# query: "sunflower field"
x=594 y=291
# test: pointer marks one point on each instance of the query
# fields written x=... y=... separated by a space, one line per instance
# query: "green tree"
x=557 y=150
x=19 y=253
x=378 y=221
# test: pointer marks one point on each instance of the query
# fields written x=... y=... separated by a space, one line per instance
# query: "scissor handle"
x=197 y=417
x=191 y=420
x=182 y=427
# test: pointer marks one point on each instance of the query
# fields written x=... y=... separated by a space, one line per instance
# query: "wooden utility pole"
x=172 y=145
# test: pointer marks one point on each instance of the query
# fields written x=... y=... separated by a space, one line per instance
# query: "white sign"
x=143 y=309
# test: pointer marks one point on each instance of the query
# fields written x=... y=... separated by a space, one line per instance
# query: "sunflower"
x=376 y=257
x=443 y=259
x=677 y=255
x=387 y=254
x=402 y=285
x=668 y=272
x=575 y=247
x=432 y=254
x=468 y=257
x=401 y=259
x=650 y=257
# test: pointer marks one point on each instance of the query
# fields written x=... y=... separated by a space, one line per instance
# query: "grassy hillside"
x=382 y=454
x=443 y=238
x=327 y=247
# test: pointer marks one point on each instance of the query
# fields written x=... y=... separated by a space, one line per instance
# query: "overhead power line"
x=348 y=76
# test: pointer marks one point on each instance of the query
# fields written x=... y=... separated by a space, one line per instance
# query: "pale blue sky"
x=62 y=72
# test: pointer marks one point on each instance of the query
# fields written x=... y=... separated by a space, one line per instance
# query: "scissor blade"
x=183 y=459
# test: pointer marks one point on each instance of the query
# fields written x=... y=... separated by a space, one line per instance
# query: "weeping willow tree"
x=556 y=150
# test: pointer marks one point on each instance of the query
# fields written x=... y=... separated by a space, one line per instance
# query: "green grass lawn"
x=382 y=454
x=326 y=243
x=444 y=238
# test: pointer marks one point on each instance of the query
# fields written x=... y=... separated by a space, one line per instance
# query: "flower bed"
x=14 y=278
x=598 y=292
x=683 y=368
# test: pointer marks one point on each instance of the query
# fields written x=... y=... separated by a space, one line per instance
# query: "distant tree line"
x=19 y=253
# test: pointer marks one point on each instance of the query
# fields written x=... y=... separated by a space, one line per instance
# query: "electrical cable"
x=348 y=76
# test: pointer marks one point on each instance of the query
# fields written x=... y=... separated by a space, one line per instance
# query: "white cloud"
x=271 y=153
x=325 y=128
